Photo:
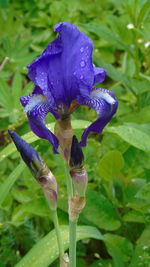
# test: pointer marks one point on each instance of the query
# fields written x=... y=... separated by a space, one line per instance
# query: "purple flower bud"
x=76 y=157
x=28 y=153
x=38 y=168
x=77 y=170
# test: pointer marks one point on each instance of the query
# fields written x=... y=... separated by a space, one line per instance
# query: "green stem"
x=69 y=182
x=58 y=234
x=72 y=224
x=72 y=242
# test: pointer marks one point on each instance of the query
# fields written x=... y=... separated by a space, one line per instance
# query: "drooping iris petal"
x=37 y=107
x=38 y=91
x=65 y=69
x=99 y=75
x=105 y=104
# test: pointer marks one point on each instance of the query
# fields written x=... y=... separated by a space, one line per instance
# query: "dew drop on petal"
x=81 y=49
x=82 y=64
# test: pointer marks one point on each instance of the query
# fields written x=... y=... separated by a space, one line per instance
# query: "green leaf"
x=134 y=185
x=5 y=74
x=37 y=207
x=144 y=193
x=24 y=195
x=113 y=73
x=137 y=86
x=7 y=185
x=134 y=216
x=19 y=215
x=4 y=113
x=144 y=12
x=31 y=137
x=111 y=164
x=139 y=116
x=49 y=248
x=5 y=96
x=100 y=212
x=119 y=248
x=141 y=256
x=141 y=206
x=16 y=89
x=4 y=3
x=105 y=33
x=102 y=263
x=134 y=134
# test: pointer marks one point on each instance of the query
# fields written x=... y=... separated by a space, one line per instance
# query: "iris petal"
x=105 y=104
x=37 y=108
x=25 y=99
x=65 y=69
x=99 y=75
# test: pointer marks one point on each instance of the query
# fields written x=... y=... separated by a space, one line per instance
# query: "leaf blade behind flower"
x=48 y=246
x=6 y=186
x=136 y=135
x=111 y=164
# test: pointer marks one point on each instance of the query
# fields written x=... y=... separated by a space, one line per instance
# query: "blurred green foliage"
x=117 y=160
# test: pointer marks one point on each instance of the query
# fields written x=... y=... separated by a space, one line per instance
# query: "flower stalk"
x=72 y=223
x=65 y=78
x=76 y=178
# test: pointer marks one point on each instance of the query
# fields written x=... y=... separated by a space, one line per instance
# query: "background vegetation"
x=117 y=160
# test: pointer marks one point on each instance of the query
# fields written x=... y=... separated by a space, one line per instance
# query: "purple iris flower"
x=64 y=76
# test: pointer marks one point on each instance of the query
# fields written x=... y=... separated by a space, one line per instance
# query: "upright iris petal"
x=63 y=76
x=65 y=68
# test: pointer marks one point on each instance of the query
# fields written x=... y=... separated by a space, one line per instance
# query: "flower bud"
x=76 y=156
x=77 y=170
x=28 y=153
x=38 y=168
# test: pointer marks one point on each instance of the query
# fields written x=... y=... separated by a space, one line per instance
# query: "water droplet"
x=81 y=49
x=81 y=77
x=82 y=63
x=74 y=73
